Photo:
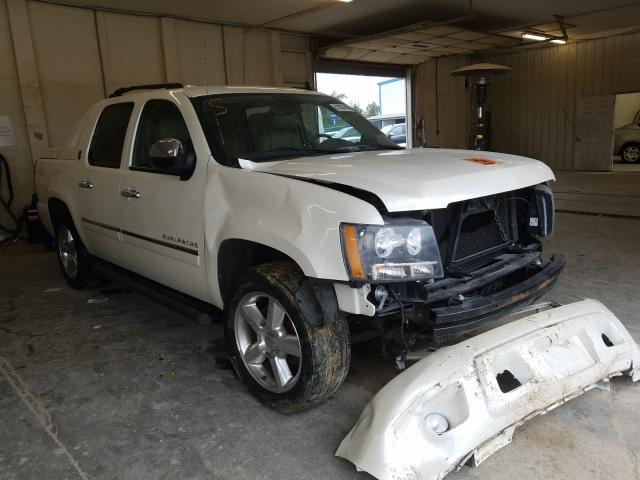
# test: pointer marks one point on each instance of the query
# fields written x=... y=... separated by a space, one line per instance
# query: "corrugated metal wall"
x=442 y=103
x=84 y=54
x=533 y=107
x=55 y=61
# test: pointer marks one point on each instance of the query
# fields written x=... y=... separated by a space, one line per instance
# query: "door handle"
x=130 y=193
x=85 y=184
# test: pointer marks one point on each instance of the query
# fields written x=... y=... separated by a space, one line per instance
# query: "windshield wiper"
x=284 y=152
x=377 y=146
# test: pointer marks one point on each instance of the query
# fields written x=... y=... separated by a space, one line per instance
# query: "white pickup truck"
x=237 y=197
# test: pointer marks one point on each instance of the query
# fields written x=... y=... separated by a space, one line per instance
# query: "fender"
x=296 y=218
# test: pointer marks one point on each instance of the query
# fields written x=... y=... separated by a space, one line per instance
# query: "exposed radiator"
x=485 y=229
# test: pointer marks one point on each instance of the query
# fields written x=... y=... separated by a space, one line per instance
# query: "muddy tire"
x=286 y=362
x=73 y=257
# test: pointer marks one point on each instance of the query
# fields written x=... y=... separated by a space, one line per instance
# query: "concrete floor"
x=620 y=166
x=127 y=389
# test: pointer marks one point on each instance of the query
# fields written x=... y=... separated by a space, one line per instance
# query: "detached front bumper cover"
x=484 y=388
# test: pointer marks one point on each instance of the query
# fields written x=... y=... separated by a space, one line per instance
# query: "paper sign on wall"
x=7 y=137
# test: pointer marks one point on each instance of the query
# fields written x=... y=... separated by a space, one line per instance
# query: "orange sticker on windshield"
x=482 y=161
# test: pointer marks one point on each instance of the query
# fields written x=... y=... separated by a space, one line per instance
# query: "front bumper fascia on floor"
x=484 y=388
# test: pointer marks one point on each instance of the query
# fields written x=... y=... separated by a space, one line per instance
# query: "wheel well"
x=58 y=211
x=236 y=256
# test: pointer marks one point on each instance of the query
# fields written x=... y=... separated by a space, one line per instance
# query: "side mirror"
x=169 y=154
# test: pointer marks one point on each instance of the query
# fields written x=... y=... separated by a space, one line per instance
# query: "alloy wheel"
x=68 y=252
x=268 y=342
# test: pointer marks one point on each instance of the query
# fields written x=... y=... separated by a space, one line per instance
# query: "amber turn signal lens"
x=350 y=241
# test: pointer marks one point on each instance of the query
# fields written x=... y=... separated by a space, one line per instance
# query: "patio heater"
x=479 y=75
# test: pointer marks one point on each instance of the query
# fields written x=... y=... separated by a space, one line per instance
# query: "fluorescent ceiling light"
x=559 y=41
x=534 y=36
x=344 y=1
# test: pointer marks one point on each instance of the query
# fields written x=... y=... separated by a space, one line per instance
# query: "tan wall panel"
x=293 y=42
x=234 y=47
x=200 y=53
x=66 y=49
x=450 y=127
x=18 y=157
x=81 y=55
x=259 y=58
x=130 y=47
x=294 y=68
x=296 y=60
x=552 y=79
x=533 y=107
x=249 y=56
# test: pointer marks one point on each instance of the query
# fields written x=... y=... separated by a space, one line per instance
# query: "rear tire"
x=630 y=153
x=73 y=257
x=286 y=362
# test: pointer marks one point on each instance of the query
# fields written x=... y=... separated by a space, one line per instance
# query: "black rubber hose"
x=17 y=221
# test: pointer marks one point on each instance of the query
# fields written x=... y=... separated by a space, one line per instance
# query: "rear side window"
x=108 y=138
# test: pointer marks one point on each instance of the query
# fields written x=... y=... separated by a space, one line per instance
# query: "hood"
x=416 y=179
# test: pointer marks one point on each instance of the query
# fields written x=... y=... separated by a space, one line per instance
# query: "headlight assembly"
x=400 y=250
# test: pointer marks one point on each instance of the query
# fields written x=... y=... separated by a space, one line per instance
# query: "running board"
x=170 y=298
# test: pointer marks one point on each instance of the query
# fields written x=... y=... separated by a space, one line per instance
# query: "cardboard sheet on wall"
x=7 y=136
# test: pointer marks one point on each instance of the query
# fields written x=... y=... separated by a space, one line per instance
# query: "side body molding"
x=464 y=402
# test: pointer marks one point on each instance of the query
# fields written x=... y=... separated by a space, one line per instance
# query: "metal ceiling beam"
x=531 y=25
x=396 y=31
x=140 y=13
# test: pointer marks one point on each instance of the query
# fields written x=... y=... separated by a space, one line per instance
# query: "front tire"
x=285 y=361
x=631 y=153
x=73 y=257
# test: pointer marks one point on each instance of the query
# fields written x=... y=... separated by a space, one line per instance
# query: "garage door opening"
x=626 y=136
x=381 y=99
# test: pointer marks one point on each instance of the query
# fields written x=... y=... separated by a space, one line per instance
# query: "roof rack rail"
x=152 y=86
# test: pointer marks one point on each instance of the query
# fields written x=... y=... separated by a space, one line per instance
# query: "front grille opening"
x=479 y=233
x=472 y=234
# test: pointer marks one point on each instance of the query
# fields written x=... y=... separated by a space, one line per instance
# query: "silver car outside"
x=626 y=141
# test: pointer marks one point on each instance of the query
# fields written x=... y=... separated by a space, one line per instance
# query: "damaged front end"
x=449 y=271
x=463 y=402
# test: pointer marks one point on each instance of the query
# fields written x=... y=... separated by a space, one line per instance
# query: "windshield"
x=266 y=127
